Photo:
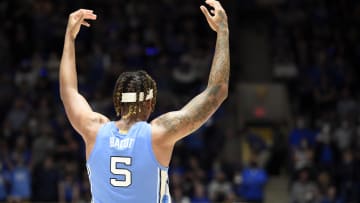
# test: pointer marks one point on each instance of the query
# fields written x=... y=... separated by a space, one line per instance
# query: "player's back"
x=123 y=167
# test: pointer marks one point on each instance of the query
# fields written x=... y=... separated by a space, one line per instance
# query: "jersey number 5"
x=114 y=162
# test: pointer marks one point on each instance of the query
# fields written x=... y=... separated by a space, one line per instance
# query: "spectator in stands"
x=253 y=180
x=45 y=177
x=68 y=189
x=346 y=104
x=307 y=34
x=302 y=155
x=348 y=177
x=200 y=195
x=195 y=171
x=21 y=152
x=181 y=182
x=343 y=135
x=303 y=190
x=324 y=182
x=178 y=196
x=331 y=196
x=300 y=132
x=325 y=148
x=20 y=181
x=259 y=146
x=18 y=114
x=42 y=146
x=219 y=188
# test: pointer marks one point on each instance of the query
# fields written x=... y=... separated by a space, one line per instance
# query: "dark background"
x=292 y=114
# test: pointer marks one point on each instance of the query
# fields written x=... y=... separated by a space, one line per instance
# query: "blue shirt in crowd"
x=253 y=182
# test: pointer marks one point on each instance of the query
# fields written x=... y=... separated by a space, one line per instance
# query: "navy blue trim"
x=160 y=186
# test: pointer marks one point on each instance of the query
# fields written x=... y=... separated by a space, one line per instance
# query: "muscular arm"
x=79 y=112
x=172 y=126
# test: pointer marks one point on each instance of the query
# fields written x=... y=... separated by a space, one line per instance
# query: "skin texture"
x=167 y=129
x=171 y=127
x=85 y=121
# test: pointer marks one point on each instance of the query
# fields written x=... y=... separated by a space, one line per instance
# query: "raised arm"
x=172 y=126
x=81 y=116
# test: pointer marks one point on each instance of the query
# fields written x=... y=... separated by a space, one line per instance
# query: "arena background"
x=289 y=131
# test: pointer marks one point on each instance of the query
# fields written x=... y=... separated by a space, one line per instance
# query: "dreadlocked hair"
x=138 y=81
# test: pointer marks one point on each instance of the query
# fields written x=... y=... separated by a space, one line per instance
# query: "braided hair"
x=138 y=81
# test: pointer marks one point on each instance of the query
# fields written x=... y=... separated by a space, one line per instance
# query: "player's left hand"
x=78 y=18
x=217 y=17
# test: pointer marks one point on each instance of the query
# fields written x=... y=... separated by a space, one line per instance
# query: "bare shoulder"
x=96 y=121
x=100 y=118
x=168 y=122
x=173 y=126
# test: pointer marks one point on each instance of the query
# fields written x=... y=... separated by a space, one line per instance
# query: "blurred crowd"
x=320 y=41
x=42 y=158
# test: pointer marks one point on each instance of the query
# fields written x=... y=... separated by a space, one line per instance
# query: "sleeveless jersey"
x=123 y=167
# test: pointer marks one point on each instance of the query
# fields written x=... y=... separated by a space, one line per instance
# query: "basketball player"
x=128 y=159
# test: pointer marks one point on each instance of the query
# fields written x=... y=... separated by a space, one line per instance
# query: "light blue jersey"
x=123 y=167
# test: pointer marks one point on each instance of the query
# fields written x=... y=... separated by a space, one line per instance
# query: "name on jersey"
x=121 y=144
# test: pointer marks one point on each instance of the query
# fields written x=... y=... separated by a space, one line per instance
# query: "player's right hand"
x=78 y=18
x=217 y=19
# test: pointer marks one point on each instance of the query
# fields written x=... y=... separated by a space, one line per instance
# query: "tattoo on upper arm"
x=172 y=123
x=198 y=110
